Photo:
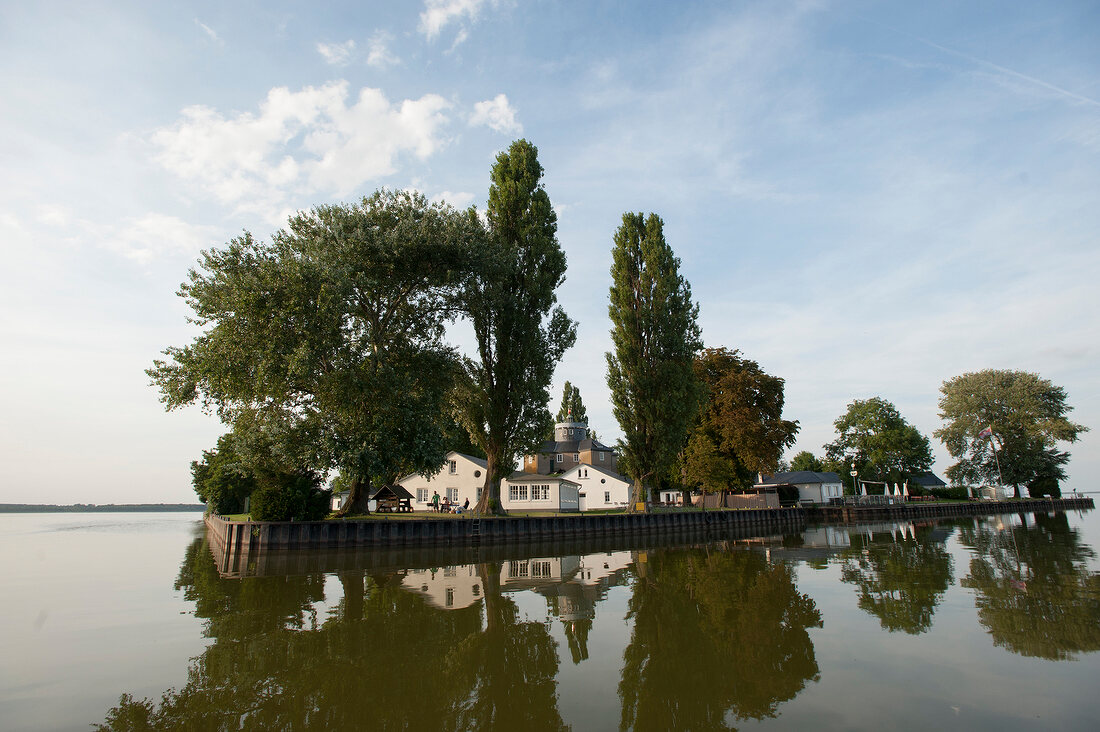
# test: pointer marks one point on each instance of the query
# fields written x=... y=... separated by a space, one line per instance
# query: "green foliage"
x=655 y=334
x=806 y=460
x=289 y=496
x=881 y=443
x=1033 y=587
x=901 y=582
x=222 y=479
x=509 y=301
x=327 y=341
x=705 y=466
x=1028 y=417
x=740 y=430
x=572 y=407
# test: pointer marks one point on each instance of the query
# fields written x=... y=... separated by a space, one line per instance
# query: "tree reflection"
x=716 y=635
x=383 y=658
x=1033 y=589
x=901 y=582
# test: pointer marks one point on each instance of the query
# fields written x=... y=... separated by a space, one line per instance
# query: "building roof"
x=391 y=491
x=600 y=470
x=521 y=477
x=552 y=446
x=800 y=477
x=482 y=462
x=928 y=480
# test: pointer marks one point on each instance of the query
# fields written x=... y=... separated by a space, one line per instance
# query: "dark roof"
x=928 y=480
x=390 y=491
x=799 y=477
x=550 y=446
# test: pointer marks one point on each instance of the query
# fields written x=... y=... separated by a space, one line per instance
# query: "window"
x=519 y=569
x=601 y=457
x=452 y=493
x=540 y=493
x=576 y=457
x=561 y=458
x=479 y=489
x=421 y=495
x=450 y=597
x=477 y=590
x=453 y=467
x=450 y=571
x=540 y=569
x=570 y=431
x=517 y=493
x=607 y=496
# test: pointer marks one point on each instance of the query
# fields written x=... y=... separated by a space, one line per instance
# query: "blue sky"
x=867 y=198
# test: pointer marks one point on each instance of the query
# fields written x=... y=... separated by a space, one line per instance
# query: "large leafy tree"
x=655 y=334
x=521 y=335
x=222 y=478
x=806 y=460
x=879 y=441
x=327 y=341
x=740 y=425
x=1027 y=415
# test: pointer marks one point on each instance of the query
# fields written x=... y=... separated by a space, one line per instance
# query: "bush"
x=290 y=496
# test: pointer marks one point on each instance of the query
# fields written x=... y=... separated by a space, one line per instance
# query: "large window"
x=517 y=493
x=540 y=493
x=452 y=493
x=540 y=569
x=421 y=495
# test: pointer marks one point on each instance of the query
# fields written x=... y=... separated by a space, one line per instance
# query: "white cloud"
x=210 y=32
x=378 y=52
x=298 y=143
x=153 y=235
x=337 y=54
x=497 y=114
x=438 y=14
x=459 y=200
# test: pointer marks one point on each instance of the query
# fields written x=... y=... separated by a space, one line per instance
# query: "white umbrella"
x=864 y=485
x=905 y=489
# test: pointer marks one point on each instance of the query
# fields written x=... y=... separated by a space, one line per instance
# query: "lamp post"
x=855 y=483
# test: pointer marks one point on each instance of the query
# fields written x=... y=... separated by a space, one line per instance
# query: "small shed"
x=392 y=499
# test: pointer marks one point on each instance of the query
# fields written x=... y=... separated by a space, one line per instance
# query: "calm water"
x=991 y=624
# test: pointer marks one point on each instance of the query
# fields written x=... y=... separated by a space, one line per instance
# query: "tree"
x=655 y=334
x=521 y=336
x=572 y=407
x=222 y=479
x=806 y=460
x=1027 y=415
x=741 y=416
x=878 y=440
x=327 y=342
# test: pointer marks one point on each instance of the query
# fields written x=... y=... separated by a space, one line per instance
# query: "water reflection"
x=900 y=581
x=719 y=634
x=715 y=631
x=1035 y=595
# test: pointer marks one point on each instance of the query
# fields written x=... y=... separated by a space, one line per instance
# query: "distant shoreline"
x=100 y=508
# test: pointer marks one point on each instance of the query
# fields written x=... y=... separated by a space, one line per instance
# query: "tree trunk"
x=490 y=502
x=637 y=497
x=358 y=498
x=352 y=582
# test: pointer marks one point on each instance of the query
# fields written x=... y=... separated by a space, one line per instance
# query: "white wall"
x=465 y=481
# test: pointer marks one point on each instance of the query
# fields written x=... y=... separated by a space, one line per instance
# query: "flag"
x=987 y=432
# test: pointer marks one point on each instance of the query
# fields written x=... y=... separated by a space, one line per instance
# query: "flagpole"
x=997 y=460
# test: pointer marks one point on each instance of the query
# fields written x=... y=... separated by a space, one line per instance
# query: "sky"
x=867 y=198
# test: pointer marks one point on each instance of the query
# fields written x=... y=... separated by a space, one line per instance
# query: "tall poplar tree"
x=521 y=335
x=655 y=333
x=572 y=407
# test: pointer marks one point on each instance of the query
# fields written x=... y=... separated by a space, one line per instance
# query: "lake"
x=123 y=620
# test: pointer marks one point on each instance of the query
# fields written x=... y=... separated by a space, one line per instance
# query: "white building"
x=449 y=588
x=461 y=479
x=812 y=487
x=602 y=488
x=534 y=492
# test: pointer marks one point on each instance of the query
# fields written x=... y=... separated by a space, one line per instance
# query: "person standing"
x=435 y=501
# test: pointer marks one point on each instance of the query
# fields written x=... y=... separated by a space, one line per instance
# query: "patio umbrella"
x=905 y=489
x=864 y=485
